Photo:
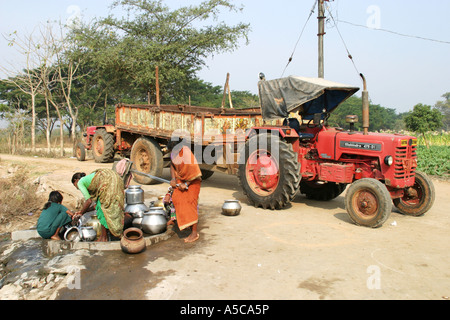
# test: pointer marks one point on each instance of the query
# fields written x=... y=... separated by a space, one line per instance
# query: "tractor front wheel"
x=80 y=152
x=103 y=146
x=368 y=203
x=419 y=198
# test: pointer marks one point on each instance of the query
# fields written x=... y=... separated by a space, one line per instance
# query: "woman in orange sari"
x=186 y=182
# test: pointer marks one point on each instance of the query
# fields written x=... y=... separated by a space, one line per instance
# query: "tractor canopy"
x=307 y=96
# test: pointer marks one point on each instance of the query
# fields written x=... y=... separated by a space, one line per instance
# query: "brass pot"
x=95 y=224
x=159 y=202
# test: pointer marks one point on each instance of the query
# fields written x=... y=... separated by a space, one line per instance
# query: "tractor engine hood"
x=307 y=96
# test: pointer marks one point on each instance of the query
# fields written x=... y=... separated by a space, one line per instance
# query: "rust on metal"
x=162 y=120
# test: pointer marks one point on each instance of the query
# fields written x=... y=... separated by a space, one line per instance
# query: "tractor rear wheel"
x=269 y=172
x=103 y=146
x=419 y=198
x=368 y=203
x=147 y=157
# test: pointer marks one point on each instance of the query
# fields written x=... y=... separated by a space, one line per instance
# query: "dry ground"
x=309 y=250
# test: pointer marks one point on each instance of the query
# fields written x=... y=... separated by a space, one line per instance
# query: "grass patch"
x=18 y=197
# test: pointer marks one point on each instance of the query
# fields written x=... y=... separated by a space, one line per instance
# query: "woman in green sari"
x=105 y=188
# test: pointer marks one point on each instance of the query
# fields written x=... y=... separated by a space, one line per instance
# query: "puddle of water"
x=120 y=276
x=23 y=260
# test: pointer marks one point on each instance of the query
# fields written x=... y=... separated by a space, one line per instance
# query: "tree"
x=27 y=80
x=126 y=50
x=381 y=118
x=423 y=119
x=444 y=108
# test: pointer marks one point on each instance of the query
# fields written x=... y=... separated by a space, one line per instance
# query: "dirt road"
x=309 y=250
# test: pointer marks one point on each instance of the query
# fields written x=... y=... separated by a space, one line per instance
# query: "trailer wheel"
x=80 y=152
x=321 y=192
x=147 y=157
x=419 y=198
x=103 y=146
x=368 y=203
x=269 y=172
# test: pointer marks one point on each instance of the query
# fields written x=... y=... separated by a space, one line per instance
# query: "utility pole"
x=321 y=18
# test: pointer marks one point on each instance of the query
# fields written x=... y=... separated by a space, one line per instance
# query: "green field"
x=434 y=160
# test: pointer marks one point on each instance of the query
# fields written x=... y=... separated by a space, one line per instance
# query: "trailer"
x=142 y=132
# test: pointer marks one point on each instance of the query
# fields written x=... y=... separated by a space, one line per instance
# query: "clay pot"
x=132 y=241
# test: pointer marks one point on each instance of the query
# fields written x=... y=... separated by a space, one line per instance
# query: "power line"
x=394 y=32
x=345 y=45
x=296 y=44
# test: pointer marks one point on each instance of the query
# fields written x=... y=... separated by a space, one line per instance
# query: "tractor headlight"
x=389 y=160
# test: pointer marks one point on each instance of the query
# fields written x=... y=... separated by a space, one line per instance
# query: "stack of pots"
x=152 y=221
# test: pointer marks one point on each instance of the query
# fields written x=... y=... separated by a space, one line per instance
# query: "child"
x=53 y=217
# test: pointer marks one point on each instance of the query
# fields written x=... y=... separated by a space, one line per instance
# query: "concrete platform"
x=54 y=247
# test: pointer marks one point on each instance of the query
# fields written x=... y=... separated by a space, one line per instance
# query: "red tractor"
x=307 y=155
x=100 y=140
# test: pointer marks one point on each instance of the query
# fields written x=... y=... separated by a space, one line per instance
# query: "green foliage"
x=423 y=119
x=380 y=118
x=125 y=51
x=444 y=108
x=434 y=160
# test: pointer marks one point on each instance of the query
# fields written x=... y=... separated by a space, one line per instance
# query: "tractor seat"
x=295 y=124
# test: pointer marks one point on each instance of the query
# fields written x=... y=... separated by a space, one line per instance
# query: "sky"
x=401 y=71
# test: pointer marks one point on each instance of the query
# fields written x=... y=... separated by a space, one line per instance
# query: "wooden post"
x=157 y=87
x=225 y=89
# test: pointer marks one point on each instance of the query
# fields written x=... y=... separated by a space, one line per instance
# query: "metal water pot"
x=136 y=208
x=154 y=221
x=137 y=219
x=72 y=234
x=134 y=195
x=88 y=233
x=231 y=208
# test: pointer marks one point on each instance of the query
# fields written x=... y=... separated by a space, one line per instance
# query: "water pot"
x=231 y=208
x=137 y=219
x=136 y=208
x=95 y=224
x=88 y=233
x=72 y=234
x=134 y=195
x=159 y=202
x=154 y=221
x=132 y=241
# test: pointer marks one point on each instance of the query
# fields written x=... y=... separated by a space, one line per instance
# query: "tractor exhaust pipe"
x=365 y=106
